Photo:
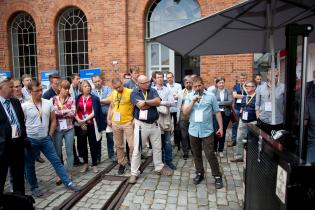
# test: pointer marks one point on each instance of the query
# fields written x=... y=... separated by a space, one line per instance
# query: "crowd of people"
x=137 y=114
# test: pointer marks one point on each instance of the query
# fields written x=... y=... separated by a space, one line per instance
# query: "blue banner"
x=88 y=73
x=5 y=73
x=45 y=74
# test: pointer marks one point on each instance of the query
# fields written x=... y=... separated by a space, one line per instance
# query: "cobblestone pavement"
x=151 y=191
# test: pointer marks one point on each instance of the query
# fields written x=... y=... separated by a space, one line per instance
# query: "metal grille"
x=72 y=42
x=23 y=43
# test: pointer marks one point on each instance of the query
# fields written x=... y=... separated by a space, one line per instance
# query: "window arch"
x=72 y=42
x=166 y=15
x=23 y=44
x=163 y=16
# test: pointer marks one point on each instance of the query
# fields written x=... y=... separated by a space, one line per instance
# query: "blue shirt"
x=102 y=94
x=136 y=95
x=209 y=105
x=248 y=105
x=239 y=90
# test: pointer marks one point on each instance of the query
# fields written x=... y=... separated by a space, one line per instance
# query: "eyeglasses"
x=250 y=86
x=17 y=86
x=36 y=91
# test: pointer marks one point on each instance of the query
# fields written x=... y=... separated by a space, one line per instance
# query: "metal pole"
x=270 y=16
x=303 y=87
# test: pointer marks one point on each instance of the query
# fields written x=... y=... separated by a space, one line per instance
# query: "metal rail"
x=117 y=197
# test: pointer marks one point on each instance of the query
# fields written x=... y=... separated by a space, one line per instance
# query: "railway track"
x=118 y=196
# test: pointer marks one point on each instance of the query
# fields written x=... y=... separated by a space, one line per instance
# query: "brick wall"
x=116 y=31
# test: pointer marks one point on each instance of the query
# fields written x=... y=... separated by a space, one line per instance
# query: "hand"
x=109 y=122
x=219 y=132
x=196 y=98
x=141 y=103
x=168 y=104
x=175 y=96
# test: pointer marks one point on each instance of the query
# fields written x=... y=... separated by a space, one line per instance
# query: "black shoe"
x=121 y=169
x=171 y=166
x=237 y=160
x=198 y=179
x=218 y=182
x=37 y=193
x=185 y=156
x=40 y=159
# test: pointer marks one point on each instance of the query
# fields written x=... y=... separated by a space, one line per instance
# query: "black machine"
x=276 y=176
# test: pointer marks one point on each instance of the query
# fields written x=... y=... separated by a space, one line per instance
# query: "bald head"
x=143 y=82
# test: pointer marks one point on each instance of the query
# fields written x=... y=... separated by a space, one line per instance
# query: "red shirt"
x=85 y=107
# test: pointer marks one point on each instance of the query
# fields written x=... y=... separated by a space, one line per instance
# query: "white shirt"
x=221 y=94
x=176 y=89
x=37 y=127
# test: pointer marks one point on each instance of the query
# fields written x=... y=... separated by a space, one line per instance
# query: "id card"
x=63 y=124
x=239 y=100
x=245 y=115
x=143 y=115
x=15 y=133
x=268 y=106
x=198 y=115
x=117 y=116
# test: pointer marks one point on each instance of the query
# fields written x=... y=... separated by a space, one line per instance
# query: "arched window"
x=163 y=16
x=72 y=42
x=23 y=43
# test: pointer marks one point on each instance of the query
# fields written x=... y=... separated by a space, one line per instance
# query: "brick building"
x=112 y=35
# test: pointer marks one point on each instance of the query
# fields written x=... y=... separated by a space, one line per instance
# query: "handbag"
x=234 y=117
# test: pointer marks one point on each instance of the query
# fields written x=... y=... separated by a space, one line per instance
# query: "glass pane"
x=165 y=55
x=155 y=56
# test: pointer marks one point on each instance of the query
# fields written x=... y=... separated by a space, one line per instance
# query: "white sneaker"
x=221 y=154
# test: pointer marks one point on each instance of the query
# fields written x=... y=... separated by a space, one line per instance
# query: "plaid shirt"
x=64 y=111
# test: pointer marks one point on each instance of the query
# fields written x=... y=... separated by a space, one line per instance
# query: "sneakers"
x=171 y=166
x=95 y=169
x=73 y=187
x=121 y=169
x=231 y=144
x=218 y=182
x=37 y=193
x=198 y=178
x=132 y=179
x=166 y=171
x=185 y=156
x=221 y=154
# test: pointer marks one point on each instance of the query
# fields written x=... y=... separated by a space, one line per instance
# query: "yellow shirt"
x=122 y=105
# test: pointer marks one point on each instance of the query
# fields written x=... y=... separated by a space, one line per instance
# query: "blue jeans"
x=310 y=156
x=167 y=155
x=68 y=136
x=46 y=146
x=235 y=126
x=110 y=145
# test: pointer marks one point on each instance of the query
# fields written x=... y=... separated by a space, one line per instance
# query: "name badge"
x=239 y=100
x=117 y=116
x=143 y=115
x=245 y=115
x=199 y=116
x=222 y=110
x=268 y=106
x=15 y=133
x=63 y=124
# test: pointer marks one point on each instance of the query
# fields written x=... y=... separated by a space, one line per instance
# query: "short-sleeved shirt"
x=102 y=94
x=37 y=127
x=239 y=90
x=136 y=95
x=123 y=105
x=208 y=105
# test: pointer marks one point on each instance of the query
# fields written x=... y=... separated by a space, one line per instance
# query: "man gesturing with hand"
x=200 y=105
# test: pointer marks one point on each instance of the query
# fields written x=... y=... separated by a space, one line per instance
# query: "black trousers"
x=82 y=144
x=267 y=127
x=13 y=157
x=177 y=134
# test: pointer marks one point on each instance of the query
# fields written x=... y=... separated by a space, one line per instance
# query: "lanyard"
x=61 y=105
x=40 y=113
x=118 y=99
x=247 y=102
x=145 y=95
x=84 y=103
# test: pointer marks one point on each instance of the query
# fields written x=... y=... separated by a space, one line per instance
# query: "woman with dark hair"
x=224 y=98
x=89 y=117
